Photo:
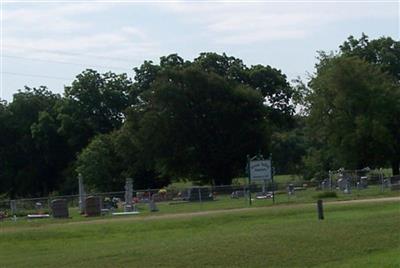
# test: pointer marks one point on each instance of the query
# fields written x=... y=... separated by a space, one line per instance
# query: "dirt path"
x=186 y=215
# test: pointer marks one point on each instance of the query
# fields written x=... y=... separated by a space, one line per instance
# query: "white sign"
x=260 y=170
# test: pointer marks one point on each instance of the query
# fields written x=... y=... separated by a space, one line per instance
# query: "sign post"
x=248 y=172
x=272 y=180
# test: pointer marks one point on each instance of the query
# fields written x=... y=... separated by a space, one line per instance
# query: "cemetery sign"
x=260 y=170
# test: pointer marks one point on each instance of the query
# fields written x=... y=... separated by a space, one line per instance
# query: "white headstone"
x=128 y=195
x=82 y=195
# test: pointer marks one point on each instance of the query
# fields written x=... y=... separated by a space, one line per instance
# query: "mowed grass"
x=222 y=202
x=352 y=235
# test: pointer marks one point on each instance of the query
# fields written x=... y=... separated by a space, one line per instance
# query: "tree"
x=383 y=52
x=274 y=87
x=100 y=164
x=93 y=104
x=32 y=152
x=201 y=126
x=288 y=148
x=352 y=108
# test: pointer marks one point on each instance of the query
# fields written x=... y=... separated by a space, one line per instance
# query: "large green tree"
x=32 y=153
x=353 y=106
x=93 y=104
x=201 y=126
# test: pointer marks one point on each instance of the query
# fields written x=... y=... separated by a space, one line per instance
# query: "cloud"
x=250 y=23
x=49 y=18
x=67 y=33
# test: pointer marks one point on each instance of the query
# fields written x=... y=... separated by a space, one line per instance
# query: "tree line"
x=197 y=120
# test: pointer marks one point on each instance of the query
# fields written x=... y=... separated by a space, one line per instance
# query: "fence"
x=197 y=198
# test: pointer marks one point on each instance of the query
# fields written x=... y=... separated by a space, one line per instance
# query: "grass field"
x=352 y=235
x=224 y=201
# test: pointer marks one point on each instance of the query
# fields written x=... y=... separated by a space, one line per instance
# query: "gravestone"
x=93 y=206
x=82 y=194
x=59 y=207
x=362 y=183
x=237 y=194
x=324 y=185
x=13 y=207
x=386 y=183
x=152 y=206
x=128 y=195
x=38 y=205
x=290 y=189
x=344 y=185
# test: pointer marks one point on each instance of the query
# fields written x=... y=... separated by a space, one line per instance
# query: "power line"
x=60 y=52
x=66 y=62
x=37 y=75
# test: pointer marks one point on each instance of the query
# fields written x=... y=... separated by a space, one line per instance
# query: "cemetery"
x=346 y=184
x=264 y=207
x=200 y=133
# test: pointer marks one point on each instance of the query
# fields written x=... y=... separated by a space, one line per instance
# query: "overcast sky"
x=50 y=43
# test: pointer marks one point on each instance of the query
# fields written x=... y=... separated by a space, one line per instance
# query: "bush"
x=326 y=195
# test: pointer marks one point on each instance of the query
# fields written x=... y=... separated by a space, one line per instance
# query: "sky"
x=48 y=42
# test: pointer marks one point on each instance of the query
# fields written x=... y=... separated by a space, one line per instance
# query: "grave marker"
x=128 y=195
x=93 y=206
x=82 y=195
x=59 y=207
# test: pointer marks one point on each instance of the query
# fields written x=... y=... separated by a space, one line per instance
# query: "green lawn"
x=224 y=201
x=352 y=235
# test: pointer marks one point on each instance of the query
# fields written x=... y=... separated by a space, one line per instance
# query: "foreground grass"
x=353 y=235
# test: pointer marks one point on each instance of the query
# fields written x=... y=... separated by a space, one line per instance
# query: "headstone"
x=38 y=205
x=238 y=194
x=364 y=182
x=152 y=206
x=324 y=185
x=93 y=206
x=341 y=184
x=344 y=185
x=290 y=189
x=386 y=183
x=128 y=195
x=82 y=194
x=59 y=207
x=13 y=207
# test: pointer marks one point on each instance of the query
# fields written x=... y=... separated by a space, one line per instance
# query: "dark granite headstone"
x=59 y=207
x=93 y=206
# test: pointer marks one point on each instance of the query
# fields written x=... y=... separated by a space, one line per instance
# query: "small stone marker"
x=364 y=182
x=342 y=184
x=320 y=210
x=59 y=207
x=93 y=206
x=152 y=205
x=290 y=189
